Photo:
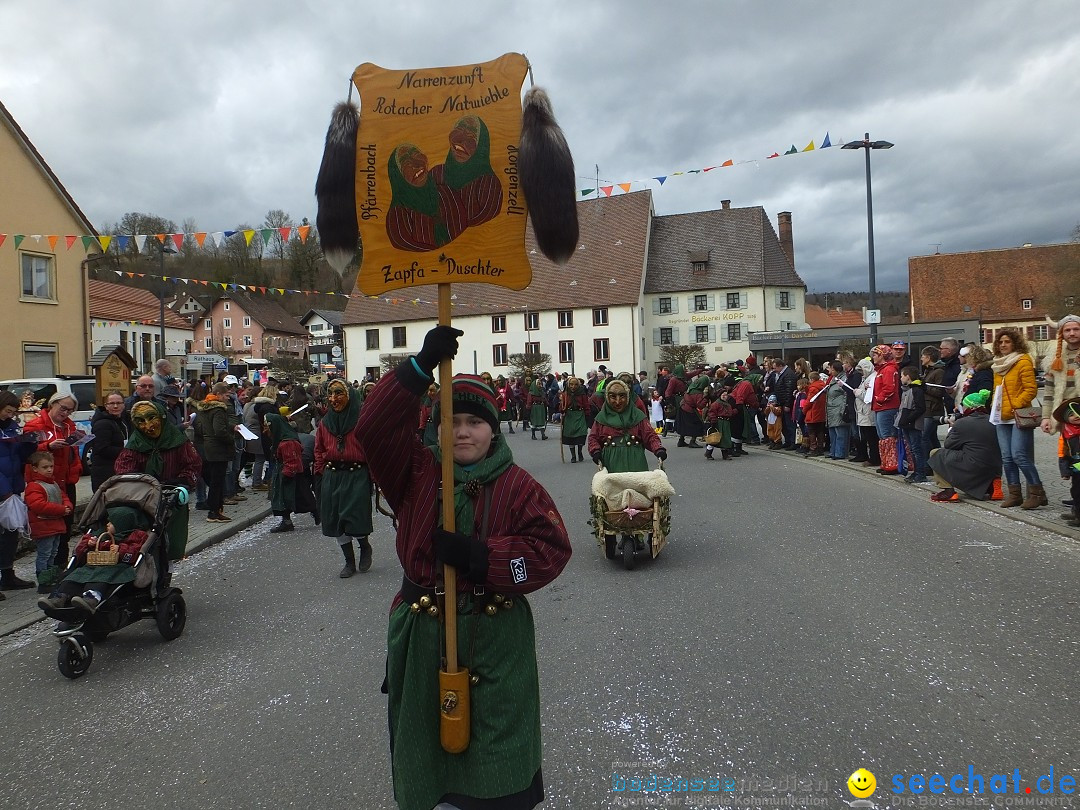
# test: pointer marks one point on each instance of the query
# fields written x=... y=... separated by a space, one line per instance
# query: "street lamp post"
x=161 y=295
x=867 y=144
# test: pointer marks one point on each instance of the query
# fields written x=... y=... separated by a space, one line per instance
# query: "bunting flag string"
x=626 y=185
x=122 y=241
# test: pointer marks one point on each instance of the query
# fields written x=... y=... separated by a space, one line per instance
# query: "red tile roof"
x=119 y=302
x=820 y=318
x=992 y=285
x=614 y=238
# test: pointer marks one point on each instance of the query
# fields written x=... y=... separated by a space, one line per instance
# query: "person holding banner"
x=509 y=540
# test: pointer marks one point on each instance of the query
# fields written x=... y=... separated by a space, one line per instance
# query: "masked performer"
x=509 y=540
x=575 y=417
x=538 y=412
x=290 y=486
x=621 y=433
x=346 y=489
x=159 y=448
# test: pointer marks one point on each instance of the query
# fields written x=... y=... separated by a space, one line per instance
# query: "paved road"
x=806 y=619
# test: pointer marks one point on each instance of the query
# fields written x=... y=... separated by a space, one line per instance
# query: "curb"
x=233 y=528
x=1029 y=516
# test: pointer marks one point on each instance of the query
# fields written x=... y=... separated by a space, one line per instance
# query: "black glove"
x=661 y=454
x=467 y=554
x=597 y=456
x=439 y=343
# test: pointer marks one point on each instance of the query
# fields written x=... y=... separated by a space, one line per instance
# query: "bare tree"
x=685 y=356
x=530 y=363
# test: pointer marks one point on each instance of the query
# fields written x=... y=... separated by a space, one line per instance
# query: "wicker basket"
x=641 y=519
x=713 y=438
x=110 y=556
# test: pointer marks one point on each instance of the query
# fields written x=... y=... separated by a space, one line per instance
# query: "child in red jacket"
x=814 y=411
x=47 y=504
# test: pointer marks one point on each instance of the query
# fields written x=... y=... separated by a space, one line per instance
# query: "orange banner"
x=437 y=192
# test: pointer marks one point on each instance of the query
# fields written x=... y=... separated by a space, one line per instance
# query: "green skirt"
x=574 y=426
x=345 y=502
x=724 y=428
x=538 y=416
x=504 y=749
x=177 y=530
x=619 y=458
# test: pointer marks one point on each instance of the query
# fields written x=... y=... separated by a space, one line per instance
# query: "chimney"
x=783 y=219
x=725 y=204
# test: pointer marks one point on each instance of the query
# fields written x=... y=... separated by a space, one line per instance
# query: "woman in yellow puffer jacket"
x=1015 y=387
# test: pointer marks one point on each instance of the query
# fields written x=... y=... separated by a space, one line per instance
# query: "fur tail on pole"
x=547 y=178
x=335 y=188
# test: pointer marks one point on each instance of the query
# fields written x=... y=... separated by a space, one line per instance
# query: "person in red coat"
x=885 y=405
x=60 y=433
x=47 y=505
x=508 y=540
x=814 y=414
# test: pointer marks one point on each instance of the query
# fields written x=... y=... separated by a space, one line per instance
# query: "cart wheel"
x=610 y=546
x=171 y=615
x=75 y=656
x=628 y=552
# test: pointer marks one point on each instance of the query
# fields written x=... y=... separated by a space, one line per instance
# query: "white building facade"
x=637 y=283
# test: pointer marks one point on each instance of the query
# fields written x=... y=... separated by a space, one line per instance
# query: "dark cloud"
x=216 y=112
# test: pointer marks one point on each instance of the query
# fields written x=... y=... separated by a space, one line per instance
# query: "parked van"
x=82 y=387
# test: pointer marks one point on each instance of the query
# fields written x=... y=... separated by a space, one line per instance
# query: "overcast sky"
x=216 y=111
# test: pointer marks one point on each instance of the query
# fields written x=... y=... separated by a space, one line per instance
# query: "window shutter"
x=742 y=300
x=712 y=302
x=712 y=334
x=674 y=305
x=656 y=336
x=1031 y=332
x=689 y=303
x=675 y=336
x=656 y=306
x=777 y=300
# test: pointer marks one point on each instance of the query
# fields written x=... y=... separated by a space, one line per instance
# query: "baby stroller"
x=150 y=595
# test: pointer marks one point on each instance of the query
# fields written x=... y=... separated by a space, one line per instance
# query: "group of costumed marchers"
x=509 y=540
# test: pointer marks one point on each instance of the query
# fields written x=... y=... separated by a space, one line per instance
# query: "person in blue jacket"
x=15 y=448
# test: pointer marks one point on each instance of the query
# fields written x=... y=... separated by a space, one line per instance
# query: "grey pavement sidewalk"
x=1045 y=517
x=20 y=610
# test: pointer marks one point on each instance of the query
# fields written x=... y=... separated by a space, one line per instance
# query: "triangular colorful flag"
x=774 y=154
x=200 y=238
x=792 y=150
x=140 y=240
x=122 y=243
x=178 y=240
x=625 y=187
x=728 y=162
x=607 y=190
x=661 y=179
x=265 y=234
x=825 y=144
x=69 y=239
x=303 y=231
x=3 y=236
x=249 y=234
x=585 y=192
x=104 y=241
x=285 y=233
x=160 y=237
x=809 y=147
x=52 y=243
x=18 y=240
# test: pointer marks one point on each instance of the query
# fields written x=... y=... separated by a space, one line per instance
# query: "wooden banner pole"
x=446 y=442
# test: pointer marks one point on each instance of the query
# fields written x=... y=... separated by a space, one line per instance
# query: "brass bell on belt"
x=425 y=601
x=433 y=610
x=499 y=598
x=474 y=679
x=415 y=608
x=509 y=603
x=491 y=610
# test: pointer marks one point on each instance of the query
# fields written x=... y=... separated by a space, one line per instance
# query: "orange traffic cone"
x=995 y=491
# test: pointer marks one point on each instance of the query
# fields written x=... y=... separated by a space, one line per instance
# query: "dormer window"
x=699 y=260
x=1026 y=303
